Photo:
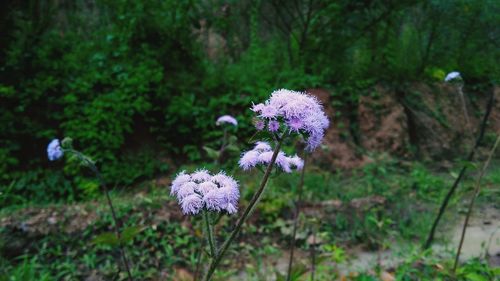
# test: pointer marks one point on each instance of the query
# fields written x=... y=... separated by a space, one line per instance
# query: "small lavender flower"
x=179 y=180
x=54 y=150
x=228 y=119
x=192 y=204
x=452 y=76
x=206 y=187
x=249 y=159
x=201 y=190
x=262 y=146
x=186 y=190
x=297 y=162
x=260 y=125
x=262 y=153
x=273 y=126
x=201 y=176
x=298 y=112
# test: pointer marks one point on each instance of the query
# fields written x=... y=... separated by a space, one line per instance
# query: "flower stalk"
x=296 y=218
x=452 y=189
x=217 y=258
x=471 y=204
x=210 y=233
x=88 y=162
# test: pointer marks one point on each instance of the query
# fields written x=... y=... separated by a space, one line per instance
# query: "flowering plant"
x=293 y=112
x=55 y=151
x=202 y=191
x=284 y=114
x=262 y=154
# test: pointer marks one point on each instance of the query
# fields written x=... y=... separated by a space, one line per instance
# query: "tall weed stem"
x=210 y=233
x=296 y=218
x=94 y=169
x=217 y=259
x=452 y=189
x=471 y=204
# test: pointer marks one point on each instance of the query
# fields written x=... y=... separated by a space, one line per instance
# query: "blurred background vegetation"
x=138 y=82
x=138 y=86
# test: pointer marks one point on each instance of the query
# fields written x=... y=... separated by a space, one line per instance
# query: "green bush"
x=125 y=77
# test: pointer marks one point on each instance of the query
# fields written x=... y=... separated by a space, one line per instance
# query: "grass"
x=169 y=242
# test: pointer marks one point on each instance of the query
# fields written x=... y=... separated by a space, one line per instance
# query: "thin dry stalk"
x=471 y=204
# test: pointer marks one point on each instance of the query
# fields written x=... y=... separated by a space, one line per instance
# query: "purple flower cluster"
x=262 y=154
x=454 y=75
x=201 y=190
x=54 y=150
x=226 y=119
x=298 y=112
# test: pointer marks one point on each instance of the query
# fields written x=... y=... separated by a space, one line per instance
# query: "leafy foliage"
x=134 y=81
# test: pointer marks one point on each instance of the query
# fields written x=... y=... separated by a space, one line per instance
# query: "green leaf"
x=106 y=238
x=212 y=153
x=475 y=277
x=232 y=148
x=129 y=233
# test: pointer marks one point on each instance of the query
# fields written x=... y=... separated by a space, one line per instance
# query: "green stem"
x=296 y=218
x=94 y=169
x=471 y=204
x=210 y=234
x=215 y=261
x=444 y=204
x=222 y=148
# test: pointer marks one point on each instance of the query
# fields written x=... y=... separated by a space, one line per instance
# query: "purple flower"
x=299 y=112
x=201 y=176
x=206 y=187
x=283 y=162
x=179 y=180
x=295 y=124
x=273 y=126
x=265 y=157
x=231 y=197
x=224 y=180
x=249 y=159
x=257 y=108
x=262 y=146
x=226 y=119
x=262 y=154
x=259 y=125
x=268 y=111
x=186 y=189
x=214 y=200
x=54 y=150
x=452 y=76
x=297 y=162
x=201 y=190
x=192 y=204
x=231 y=208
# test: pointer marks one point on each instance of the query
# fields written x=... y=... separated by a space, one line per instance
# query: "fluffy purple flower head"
x=297 y=162
x=268 y=111
x=214 y=200
x=249 y=159
x=273 y=126
x=201 y=190
x=454 y=75
x=297 y=112
x=262 y=146
x=206 y=187
x=54 y=150
x=201 y=176
x=262 y=154
x=260 y=125
x=179 y=180
x=226 y=119
x=192 y=204
x=186 y=189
